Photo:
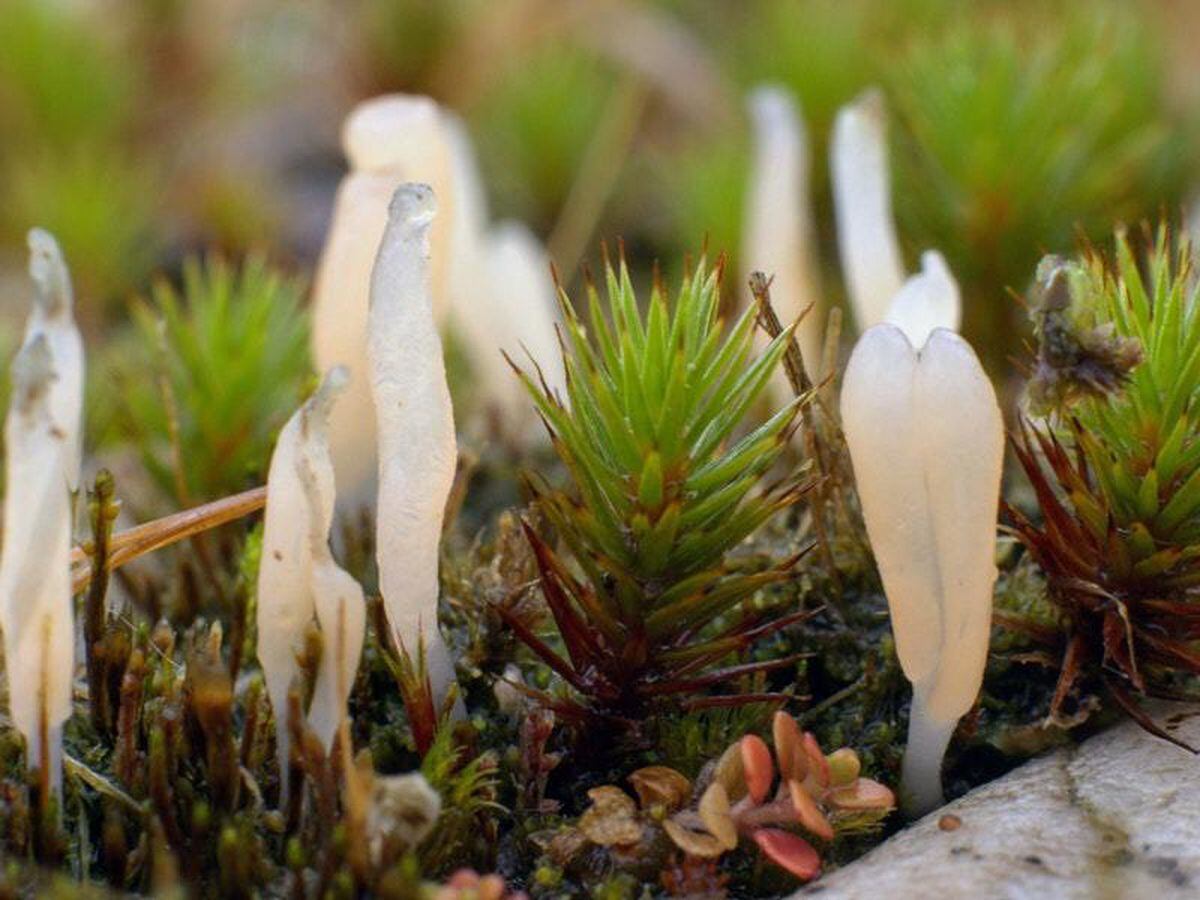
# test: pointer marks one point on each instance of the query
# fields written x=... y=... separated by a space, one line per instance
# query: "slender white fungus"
x=779 y=238
x=926 y=440
x=53 y=315
x=298 y=577
x=501 y=296
x=870 y=253
x=42 y=454
x=516 y=311
x=417 y=446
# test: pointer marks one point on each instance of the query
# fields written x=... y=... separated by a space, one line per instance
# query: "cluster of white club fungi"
x=411 y=253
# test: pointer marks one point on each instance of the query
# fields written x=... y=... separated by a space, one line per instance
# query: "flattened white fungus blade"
x=417 y=445
x=926 y=440
x=870 y=254
x=962 y=432
x=930 y=299
x=779 y=229
x=35 y=584
x=53 y=315
x=884 y=442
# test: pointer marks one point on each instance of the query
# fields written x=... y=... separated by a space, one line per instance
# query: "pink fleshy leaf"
x=864 y=793
x=789 y=747
x=818 y=765
x=757 y=765
x=789 y=852
x=808 y=813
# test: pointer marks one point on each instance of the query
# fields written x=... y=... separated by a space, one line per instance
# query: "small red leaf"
x=808 y=813
x=757 y=765
x=789 y=852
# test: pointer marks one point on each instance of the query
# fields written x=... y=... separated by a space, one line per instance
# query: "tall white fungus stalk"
x=515 y=313
x=387 y=141
x=298 y=578
x=779 y=230
x=870 y=253
x=417 y=446
x=42 y=455
x=926 y=440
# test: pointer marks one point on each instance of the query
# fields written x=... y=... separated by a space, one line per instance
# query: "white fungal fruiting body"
x=342 y=617
x=35 y=583
x=43 y=456
x=298 y=577
x=928 y=300
x=387 y=141
x=501 y=296
x=417 y=445
x=515 y=312
x=779 y=231
x=926 y=440
x=870 y=254
x=53 y=315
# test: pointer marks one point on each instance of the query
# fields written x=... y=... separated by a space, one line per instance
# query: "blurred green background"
x=144 y=132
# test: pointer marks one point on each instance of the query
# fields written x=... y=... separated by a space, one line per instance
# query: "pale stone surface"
x=1114 y=817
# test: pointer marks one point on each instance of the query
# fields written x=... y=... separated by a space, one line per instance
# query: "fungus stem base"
x=921 y=773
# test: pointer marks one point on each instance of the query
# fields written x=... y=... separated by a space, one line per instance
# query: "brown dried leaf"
x=661 y=786
x=693 y=843
x=730 y=773
x=863 y=794
x=563 y=845
x=715 y=814
x=611 y=820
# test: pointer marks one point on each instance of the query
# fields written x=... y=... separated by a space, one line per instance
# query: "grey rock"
x=1114 y=817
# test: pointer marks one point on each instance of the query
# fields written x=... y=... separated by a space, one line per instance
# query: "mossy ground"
x=174 y=782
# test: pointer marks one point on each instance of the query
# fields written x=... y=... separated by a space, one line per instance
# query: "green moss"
x=209 y=376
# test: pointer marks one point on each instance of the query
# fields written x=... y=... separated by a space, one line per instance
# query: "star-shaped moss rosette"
x=661 y=490
x=1117 y=478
